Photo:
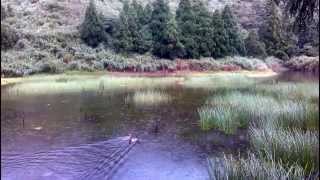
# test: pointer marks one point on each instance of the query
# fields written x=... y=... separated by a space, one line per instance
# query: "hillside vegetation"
x=54 y=36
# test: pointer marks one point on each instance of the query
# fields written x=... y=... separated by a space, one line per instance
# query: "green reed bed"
x=229 y=112
x=218 y=117
x=231 y=168
x=235 y=110
x=287 y=146
x=75 y=84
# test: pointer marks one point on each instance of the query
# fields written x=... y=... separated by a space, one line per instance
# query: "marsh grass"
x=239 y=110
x=76 y=83
x=218 y=117
x=150 y=97
x=231 y=168
x=287 y=146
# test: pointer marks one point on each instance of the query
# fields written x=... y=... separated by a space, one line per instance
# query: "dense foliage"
x=254 y=47
x=271 y=31
x=164 y=30
x=9 y=37
x=192 y=32
x=92 y=31
x=303 y=11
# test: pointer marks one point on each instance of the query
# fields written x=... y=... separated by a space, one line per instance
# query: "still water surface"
x=49 y=132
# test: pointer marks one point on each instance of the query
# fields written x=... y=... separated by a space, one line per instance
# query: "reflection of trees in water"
x=103 y=109
x=12 y=115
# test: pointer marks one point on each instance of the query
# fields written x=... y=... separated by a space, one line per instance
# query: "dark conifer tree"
x=133 y=34
x=219 y=36
x=203 y=29
x=270 y=32
x=186 y=22
x=166 y=43
x=126 y=31
x=254 y=47
x=91 y=30
x=235 y=44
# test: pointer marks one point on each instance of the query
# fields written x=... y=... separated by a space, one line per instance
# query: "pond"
x=72 y=111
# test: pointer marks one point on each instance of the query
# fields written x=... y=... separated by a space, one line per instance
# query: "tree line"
x=191 y=32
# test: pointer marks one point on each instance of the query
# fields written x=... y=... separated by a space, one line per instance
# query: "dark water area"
x=293 y=76
x=171 y=146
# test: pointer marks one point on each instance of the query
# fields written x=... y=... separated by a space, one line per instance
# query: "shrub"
x=245 y=63
x=9 y=37
x=282 y=55
x=49 y=67
x=304 y=63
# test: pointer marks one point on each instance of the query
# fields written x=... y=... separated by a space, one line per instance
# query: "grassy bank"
x=191 y=76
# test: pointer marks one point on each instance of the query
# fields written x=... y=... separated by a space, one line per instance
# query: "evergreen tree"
x=270 y=32
x=185 y=16
x=143 y=42
x=254 y=47
x=166 y=43
x=127 y=29
x=91 y=30
x=133 y=34
x=235 y=44
x=219 y=36
x=203 y=29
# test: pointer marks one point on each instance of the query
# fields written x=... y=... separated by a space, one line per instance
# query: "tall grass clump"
x=297 y=114
x=287 y=146
x=259 y=110
x=235 y=110
x=222 y=118
x=150 y=97
x=229 y=168
x=248 y=106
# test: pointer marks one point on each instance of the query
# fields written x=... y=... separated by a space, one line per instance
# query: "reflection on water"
x=61 y=114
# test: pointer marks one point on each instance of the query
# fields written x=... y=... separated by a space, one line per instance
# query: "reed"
x=243 y=109
x=222 y=118
x=231 y=168
x=287 y=146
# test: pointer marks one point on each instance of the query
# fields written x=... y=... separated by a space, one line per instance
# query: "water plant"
x=150 y=97
x=222 y=118
x=76 y=83
x=243 y=109
x=287 y=146
x=229 y=168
